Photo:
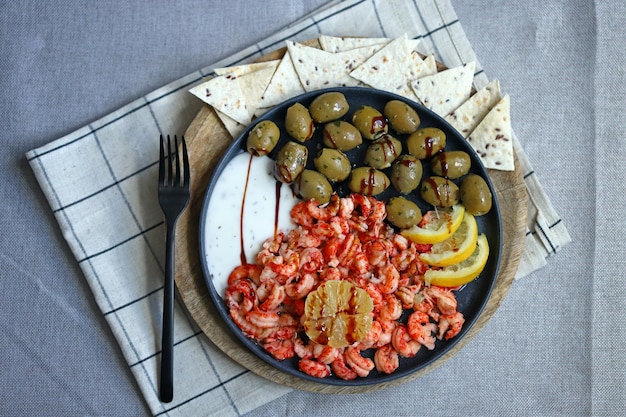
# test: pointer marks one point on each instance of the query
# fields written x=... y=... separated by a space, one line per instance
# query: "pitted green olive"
x=402 y=117
x=298 y=123
x=328 y=107
x=475 y=195
x=311 y=185
x=369 y=181
x=426 y=142
x=341 y=135
x=439 y=191
x=406 y=173
x=290 y=162
x=370 y=122
x=263 y=138
x=403 y=213
x=451 y=164
x=382 y=152
x=333 y=163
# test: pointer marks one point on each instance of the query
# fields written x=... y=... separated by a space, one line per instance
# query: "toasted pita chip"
x=224 y=94
x=283 y=85
x=233 y=127
x=493 y=138
x=412 y=44
x=253 y=85
x=422 y=67
x=444 y=91
x=336 y=44
x=469 y=114
x=260 y=111
x=319 y=69
x=240 y=70
x=390 y=68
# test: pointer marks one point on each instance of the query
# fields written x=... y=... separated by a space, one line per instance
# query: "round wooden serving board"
x=207 y=140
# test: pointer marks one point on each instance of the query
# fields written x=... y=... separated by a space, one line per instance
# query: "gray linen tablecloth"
x=551 y=349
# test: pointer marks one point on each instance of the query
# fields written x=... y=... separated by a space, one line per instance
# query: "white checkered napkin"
x=100 y=182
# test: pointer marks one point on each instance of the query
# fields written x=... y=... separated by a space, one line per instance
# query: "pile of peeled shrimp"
x=347 y=239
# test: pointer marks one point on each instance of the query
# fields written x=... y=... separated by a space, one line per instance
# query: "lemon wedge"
x=338 y=314
x=462 y=272
x=457 y=247
x=436 y=225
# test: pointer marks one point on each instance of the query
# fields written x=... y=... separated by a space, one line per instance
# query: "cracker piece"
x=260 y=111
x=253 y=85
x=224 y=94
x=233 y=127
x=240 y=70
x=412 y=44
x=493 y=138
x=283 y=85
x=390 y=68
x=319 y=69
x=422 y=67
x=444 y=91
x=469 y=114
x=336 y=44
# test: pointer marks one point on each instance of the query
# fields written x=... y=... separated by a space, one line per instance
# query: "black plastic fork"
x=174 y=194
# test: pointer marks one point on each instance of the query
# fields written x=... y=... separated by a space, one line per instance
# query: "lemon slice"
x=463 y=272
x=436 y=225
x=457 y=247
x=338 y=314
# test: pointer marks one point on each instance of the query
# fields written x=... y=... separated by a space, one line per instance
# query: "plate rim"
x=247 y=342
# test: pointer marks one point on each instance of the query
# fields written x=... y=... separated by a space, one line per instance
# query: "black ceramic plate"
x=471 y=298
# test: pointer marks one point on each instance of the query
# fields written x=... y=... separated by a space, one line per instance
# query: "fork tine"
x=169 y=161
x=161 y=162
x=177 y=163
x=185 y=163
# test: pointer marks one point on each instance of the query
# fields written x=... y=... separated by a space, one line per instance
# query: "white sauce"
x=221 y=236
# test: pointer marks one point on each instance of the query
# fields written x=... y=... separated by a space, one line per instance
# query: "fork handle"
x=167 y=342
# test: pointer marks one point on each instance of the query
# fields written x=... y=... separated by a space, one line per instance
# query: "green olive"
x=402 y=117
x=369 y=181
x=328 y=107
x=263 y=138
x=370 y=122
x=403 y=213
x=439 y=191
x=333 y=163
x=451 y=164
x=475 y=195
x=406 y=173
x=341 y=135
x=298 y=123
x=290 y=162
x=311 y=185
x=382 y=152
x=426 y=142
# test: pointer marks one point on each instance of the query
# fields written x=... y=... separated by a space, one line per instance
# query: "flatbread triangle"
x=492 y=139
x=390 y=68
x=469 y=114
x=319 y=69
x=243 y=69
x=336 y=44
x=284 y=84
x=444 y=91
x=224 y=94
